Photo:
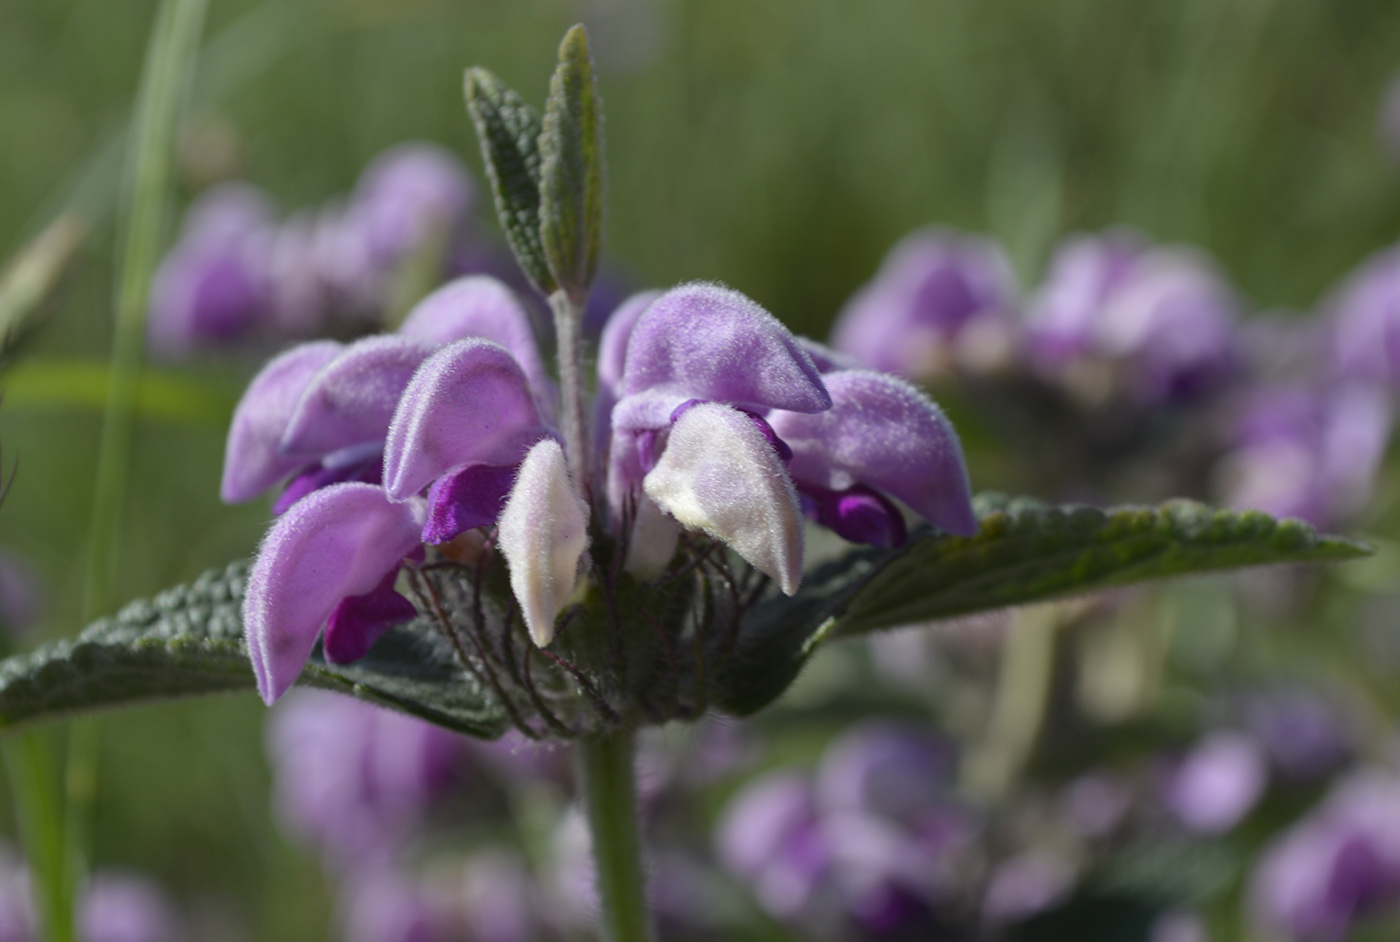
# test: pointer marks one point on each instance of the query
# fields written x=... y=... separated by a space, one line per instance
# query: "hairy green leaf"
x=189 y=641
x=1026 y=551
x=571 y=169
x=509 y=131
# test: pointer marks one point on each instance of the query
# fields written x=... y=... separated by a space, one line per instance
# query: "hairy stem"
x=568 y=332
x=608 y=783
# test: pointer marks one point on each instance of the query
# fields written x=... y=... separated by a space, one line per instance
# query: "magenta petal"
x=252 y=461
x=472 y=497
x=706 y=342
x=357 y=621
x=468 y=404
x=336 y=542
x=479 y=306
x=351 y=399
x=367 y=470
x=882 y=432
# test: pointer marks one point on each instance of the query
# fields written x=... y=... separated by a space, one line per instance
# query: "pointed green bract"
x=509 y=131
x=571 y=169
x=1025 y=552
x=188 y=641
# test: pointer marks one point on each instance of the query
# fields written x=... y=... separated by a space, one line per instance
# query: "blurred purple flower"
x=1305 y=734
x=1339 y=863
x=1163 y=317
x=407 y=194
x=214 y=286
x=17 y=920
x=1096 y=803
x=20 y=597
x=1307 y=453
x=940 y=299
x=1364 y=313
x=126 y=907
x=355 y=780
x=383 y=906
x=497 y=899
x=1027 y=884
x=1217 y=783
x=770 y=837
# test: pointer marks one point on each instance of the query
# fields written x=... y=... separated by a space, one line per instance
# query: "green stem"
x=568 y=332
x=34 y=782
x=608 y=783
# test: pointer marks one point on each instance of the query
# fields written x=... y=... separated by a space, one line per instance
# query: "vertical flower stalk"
x=568 y=330
x=607 y=780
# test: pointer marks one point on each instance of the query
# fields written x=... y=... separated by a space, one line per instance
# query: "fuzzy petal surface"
x=543 y=534
x=884 y=433
x=720 y=474
x=252 y=459
x=351 y=399
x=479 y=306
x=470 y=403
x=702 y=341
x=612 y=346
x=336 y=542
x=357 y=621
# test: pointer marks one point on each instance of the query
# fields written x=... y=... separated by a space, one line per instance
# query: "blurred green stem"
x=607 y=780
x=29 y=763
x=165 y=78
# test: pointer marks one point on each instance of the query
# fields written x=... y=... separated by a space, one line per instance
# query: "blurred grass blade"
x=1026 y=551
x=188 y=641
x=509 y=132
x=33 y=776
x=31 y=277
x=86 y=384
x=572 y=178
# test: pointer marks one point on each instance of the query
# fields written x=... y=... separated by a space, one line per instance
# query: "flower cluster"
x=406 y=456
x=238 y=274
x=1135 y=358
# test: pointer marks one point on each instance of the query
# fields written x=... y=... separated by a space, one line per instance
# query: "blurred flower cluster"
x=1132 y=372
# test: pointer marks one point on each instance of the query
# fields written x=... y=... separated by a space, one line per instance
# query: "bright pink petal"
x=336 y=542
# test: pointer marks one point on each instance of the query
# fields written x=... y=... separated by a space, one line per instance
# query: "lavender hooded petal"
x=612 y=346
x=882 y=432
x=351 y=400
x=337 y=542
x=701 y=341
x=720 y=474
x=479 y=306
x=253 y=461
x=470 y=403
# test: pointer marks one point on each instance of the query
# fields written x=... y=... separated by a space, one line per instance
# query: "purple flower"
x=1029 y=883
x=724 y=420
x=407 y=194
x=126 y=907
x=939 y=298
x=1179 y=925
x=771 y=838
x=1162 y=316
x=20 y=598
x=1217 y=783
x=355 y=780
x=215 y=285
x=1339 y=863
x=1305 y=734
x=1309 y=453
x=1364 y=312
x=383 y=906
